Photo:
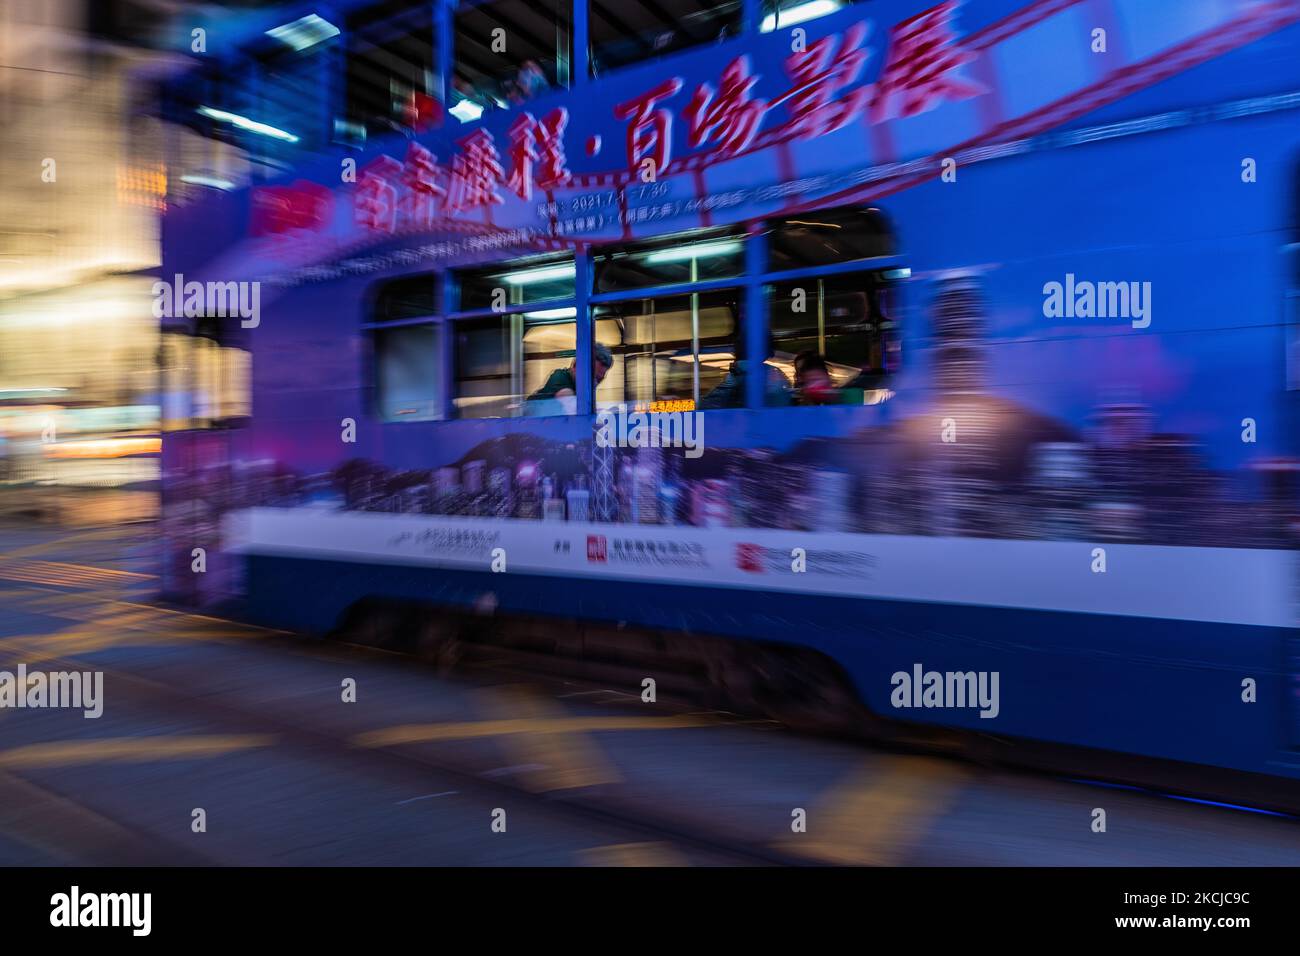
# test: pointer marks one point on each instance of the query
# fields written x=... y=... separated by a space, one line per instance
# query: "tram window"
x=205 y=152
x=390 y=74
x=508 y=52
x=518 y=283
x=828 y=238
x=518 y=364
x=206 y=383
x=782 y=14
x=410 y=298
x=699 y=258
x=834 y=338
x=653 y=342
x=624 y=33
x=290 y=75
x=407 y=357
x=201 y=99
x=406 y=372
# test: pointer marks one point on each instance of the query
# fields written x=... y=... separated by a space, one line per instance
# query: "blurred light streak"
x=565 y=761
x=1174 y=796
x=304 y=32
x=879 y=814
x=467 y=730
x=244 y=123
x=130 y=749
x=197 y=179
x=104 y=448
x=633 y=854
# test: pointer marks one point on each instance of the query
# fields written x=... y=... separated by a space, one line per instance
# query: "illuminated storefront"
x=85 y=186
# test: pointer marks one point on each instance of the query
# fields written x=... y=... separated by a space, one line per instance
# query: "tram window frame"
x=523 y=282
x=705 y=375
x=643 y=46
x=519 y=398
x=722 y=253
x=797 y=12
x=378 y=32
x=828 y=238
x=725 y=282
x=202 y=150
x=285 y=93
x=517 y=297
x=399 y=316
x=853 y=372
x=206 y=376
x=474 y=91
x=858 y=255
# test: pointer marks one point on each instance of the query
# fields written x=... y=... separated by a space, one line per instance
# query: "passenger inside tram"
x=730 y=392
x=531 y=81
x=561 y=387
x=812 y=380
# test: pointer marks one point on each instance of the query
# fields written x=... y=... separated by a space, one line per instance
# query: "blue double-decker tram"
x=929 y=365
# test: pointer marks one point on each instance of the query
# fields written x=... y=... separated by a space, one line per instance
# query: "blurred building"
x=84 y=186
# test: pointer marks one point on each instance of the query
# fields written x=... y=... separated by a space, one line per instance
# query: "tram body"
x=1073 y=466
